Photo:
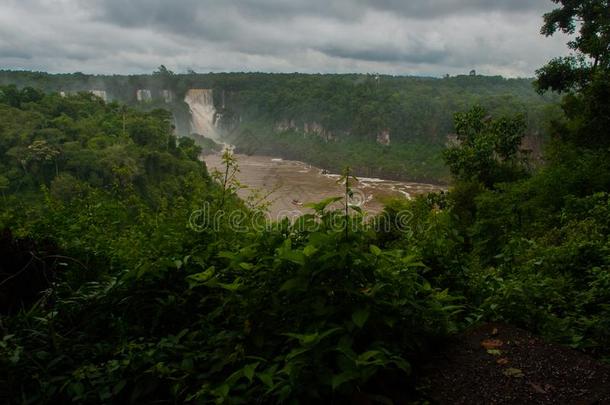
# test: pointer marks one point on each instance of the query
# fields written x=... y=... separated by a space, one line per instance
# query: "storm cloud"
x=424 y=37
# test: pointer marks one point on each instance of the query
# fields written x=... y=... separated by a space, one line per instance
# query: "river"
x=291 y=184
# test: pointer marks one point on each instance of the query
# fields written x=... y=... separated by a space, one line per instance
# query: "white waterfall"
x=144 y=95
x=203 y=113
x=99 y=93
x=168 y=96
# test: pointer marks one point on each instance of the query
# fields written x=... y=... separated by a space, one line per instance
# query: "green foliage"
x=149 y=306
x=486 y=149
x=207 y=145
x=556 y=282
x=591 y=20
x=227 y=179
x=70 y=171
x=327 y=120
x=584 y=76
x=145 y=308
x=317 y=313
x=421 y=160
x=295 y=312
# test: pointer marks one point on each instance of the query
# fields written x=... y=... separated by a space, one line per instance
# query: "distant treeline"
x=355 y=104
x=356 y=108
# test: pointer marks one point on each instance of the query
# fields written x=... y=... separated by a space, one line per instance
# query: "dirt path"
x=500 y=364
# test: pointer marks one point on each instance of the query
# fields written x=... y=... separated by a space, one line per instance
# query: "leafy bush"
x=298 y=311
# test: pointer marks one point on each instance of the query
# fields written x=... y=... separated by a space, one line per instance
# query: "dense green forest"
x=115 y=287
x=327 y=120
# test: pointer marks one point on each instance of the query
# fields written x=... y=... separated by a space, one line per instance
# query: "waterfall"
x=144 y=95
x=99 y=93
x=168 y=96
x=203 y=113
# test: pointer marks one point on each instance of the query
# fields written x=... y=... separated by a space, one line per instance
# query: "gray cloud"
x=184 y=14
x=386 y=55
x=430 y=37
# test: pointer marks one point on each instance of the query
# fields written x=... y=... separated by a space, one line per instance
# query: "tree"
x=592 y=17
x=486 y=149
x=31 y=95
x=165 y=77
x=591 y=45
x=163 y=71
x=4 y=185
x=189 y=148
x=10 y=95
x=585 y=75
x=41 y=151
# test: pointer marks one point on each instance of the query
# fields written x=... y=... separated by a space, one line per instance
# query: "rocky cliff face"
x=285 y=125
x=309 y=128
x=383 y=137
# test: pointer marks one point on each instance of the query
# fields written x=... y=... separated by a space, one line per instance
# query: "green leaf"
x=304 y=339
x=366 y=356
x=186 y=259
x=227 y=255
x=118 y=387
x=266 y=378
x=296 y=352
x=453 y=309
x=338 y=379
x=360 y=316
x=401 y=364
x=356 y=208
x=375 y=250
x=311 y=338
x=15 y=356
x=78 y=389
x=249 y=370
x=222 y=391
x=246 y=266
x=321 y=206
x=309 y=250
x=329 y=332
x=513 y=372
x=201 y=278
x=233 y=378
x=293 y=256
x=296 y=283
x=234 y=286
x=285 y=252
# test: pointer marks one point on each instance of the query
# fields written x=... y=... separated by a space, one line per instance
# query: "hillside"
x=132 y=274
x=323 y=119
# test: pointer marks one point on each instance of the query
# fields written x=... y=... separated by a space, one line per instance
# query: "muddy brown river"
x=291 y=184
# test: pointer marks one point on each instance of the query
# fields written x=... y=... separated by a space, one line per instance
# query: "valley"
x=289 y=185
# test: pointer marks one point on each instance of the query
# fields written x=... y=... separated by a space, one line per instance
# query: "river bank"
x=291 y=184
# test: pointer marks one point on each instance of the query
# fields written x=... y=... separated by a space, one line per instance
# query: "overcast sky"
x=402 y=37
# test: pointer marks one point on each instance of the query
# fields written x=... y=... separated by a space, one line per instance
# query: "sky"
x=398 y=37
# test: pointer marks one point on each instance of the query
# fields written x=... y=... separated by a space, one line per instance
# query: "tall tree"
x=486 y=149
x=585 y=75
x=589 y=20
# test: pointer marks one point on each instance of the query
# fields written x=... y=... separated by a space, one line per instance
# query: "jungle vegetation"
x=327 y=120
x=110 y=293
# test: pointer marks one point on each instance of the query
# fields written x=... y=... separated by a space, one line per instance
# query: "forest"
x=327 y=120
x=115 y=289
